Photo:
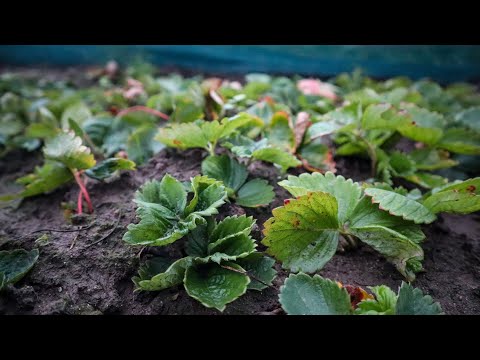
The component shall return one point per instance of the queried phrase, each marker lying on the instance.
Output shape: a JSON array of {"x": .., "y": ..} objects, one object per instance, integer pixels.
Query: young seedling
[
  {"x": 222, "y": 264},
  {"x": 302, "y": 294},
  {"x": 234, "y": 175},
  {"x": 67, "y": 159}
]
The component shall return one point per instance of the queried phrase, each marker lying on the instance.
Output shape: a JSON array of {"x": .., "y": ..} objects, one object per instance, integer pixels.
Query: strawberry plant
[
  {"x": 222, "y": 264},
  {"x": 234, "y": 175},
  {"x": 305, "y": 295},
  {"x": 165, "y": 216},
  {"x": 66, "y": 159},
  {"x": 304, "y": 233},
  {"x": 221, "y": 256}
]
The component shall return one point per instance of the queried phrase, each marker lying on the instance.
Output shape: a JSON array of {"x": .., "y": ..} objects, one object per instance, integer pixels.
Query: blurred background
[{"x": 443, "y": 63}]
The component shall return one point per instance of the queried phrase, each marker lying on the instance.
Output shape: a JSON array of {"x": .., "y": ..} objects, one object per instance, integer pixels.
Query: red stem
[
  {"x": 144, "y": 109},
  {"x": 79, "y": 202},
  {"x": 80, "y": 183}
]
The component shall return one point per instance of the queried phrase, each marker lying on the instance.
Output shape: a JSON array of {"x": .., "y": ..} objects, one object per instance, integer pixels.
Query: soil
[{"x": 72, "y": 277}]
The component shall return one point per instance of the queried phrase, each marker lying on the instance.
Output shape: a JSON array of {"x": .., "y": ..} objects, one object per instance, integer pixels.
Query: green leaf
[
  {"x": 277, "y": 156},
  {"x": 469, "y": 118},
  {"x": 41, "y": 130},
  {"x": 172, "y": 276},
  {"x": 183, "y": 136},
  {"x": 209, "y": 194},
  {"x": 226, "y": 169},
  {"x": 367, "y": 214},
  {"x": 400, "y": 205},
  {"x": 68, "y": 149},
  {"x": 140, "y": 144},
  {"x": 169, "y": 193},
  {"x": 186, "y": 110},
  {"x": 243, "y": 146},
  {"x": 346, "y": 192},
  {"x": 305, "y": 295},
  {"x": 198, "y": 238},
  {"x": 279, "y": 133},
  {"x": 215, "y": 286},
  {"x": 401, "y": 164},
  {"x": 303, "y": 234},
  {"x": 460, "y": 141},
  {"x": 412, "y": 302},
  {"x": 316, "y": 156},
  {"x": 427, "y": 180},
  {"x": 383, "y": 116},
  {"x": 259, "y": 267},
  {"x": 384, "y": 304},
  {"x": 230, "y": 239},
  {"x": 431, "y": 159},
  {"x": 78, "y": 112},
  {"x": 424, "y": 126},
  {"x": 45, "y": 179},
  {"x": 108, "y": 167},
  {"x": 15, "y": 264},
  {"x": 255, "y": 193},
  {"x": 459, "y": 198},
  {"x": 396, "y": 239},
  {"x": 75, "y": 127}
]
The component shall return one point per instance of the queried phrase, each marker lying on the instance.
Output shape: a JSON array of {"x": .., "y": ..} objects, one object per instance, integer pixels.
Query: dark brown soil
[{"x": 97, "y": 279}]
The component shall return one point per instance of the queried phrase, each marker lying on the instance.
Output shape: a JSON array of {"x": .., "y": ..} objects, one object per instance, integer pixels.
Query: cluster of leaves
[
  {"x": 376, "y": 117},
  {"x": 15, "y": 264},
  {"x": 221, "y": 262},
  {"x": 305, "y": 295},
  {"x": 304, "y": 233},
  {"x": 234, "y": 175}
]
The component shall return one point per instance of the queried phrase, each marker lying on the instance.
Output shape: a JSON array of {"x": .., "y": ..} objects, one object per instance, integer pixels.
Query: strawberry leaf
[
  {"x": 45, "y": 179},
  {"x": 109, "y": 167},
  {"x": 15, "y": 264},
  {"x": 396, "y": 239},
  {"x": 411, "y": 301},
  {"x": 460, "y": 141},
  {"x": 208, "y": 195},
  {"x": 303, "y": 234},
  {"x": 78, "y": 112},
  {"x": 68, "y": 149},
  {"x": 346, "y": 192},
  {"x": 400, "y": 205},
  {"x": 385, "y": 302},
  {"x": 458, "y": 198},
  {"x": 169, "y": 277},
  {"x": 280, "y": 134},
  {"x": 258, "y": 267},
  {"x": 226, "y": 169},
  {"x": 255, "y": 193},
  {"x": 305, "y": 295},
  {"x": 431, "y": 159},
  {"x": 277, "y": 156},
  {"x": 215, "y": 286},
  {"x": 424, "y": 126}
]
